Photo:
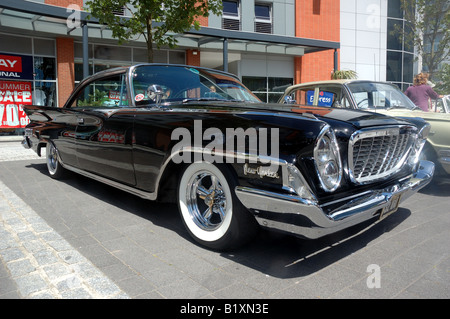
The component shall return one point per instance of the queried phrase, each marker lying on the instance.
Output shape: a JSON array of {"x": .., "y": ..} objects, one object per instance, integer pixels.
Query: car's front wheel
[{"x": 210, "y": 210}]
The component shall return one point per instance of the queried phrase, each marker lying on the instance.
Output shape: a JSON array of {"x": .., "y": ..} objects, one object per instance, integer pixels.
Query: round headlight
[{"x": 327, "y": 160}]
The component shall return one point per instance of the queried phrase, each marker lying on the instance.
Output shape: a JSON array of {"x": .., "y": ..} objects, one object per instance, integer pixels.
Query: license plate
[{"x": 392, "y": 207}]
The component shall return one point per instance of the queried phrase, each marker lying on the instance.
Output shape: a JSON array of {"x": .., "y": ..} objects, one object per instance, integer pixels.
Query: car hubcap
[
  {"x": 206, "y": 201},
  {"x": 52, "y": 158}
]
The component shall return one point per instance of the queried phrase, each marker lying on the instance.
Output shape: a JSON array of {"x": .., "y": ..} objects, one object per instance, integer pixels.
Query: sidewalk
[
  {"x": 78, "y": 238},
  {"x": 36, "y": 262},
  {"x": 11, "y": 149},
  {"x": 10, "y": 138}
]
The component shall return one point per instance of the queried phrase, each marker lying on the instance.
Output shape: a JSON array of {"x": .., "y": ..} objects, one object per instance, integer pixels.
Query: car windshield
[
  {"x": 369, "y": 95},
  {"x": 183, "y": 83}
]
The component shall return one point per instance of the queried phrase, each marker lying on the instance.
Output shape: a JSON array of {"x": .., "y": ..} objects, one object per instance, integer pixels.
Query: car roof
[
  {"x": 121, "y": 69},
  {"x": 339, "y": 81}
]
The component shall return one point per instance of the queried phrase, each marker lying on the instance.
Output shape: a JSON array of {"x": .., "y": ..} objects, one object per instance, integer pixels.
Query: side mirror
[
  {"x": 288, "y": 100},
  {"x": 155, "y": 93}
]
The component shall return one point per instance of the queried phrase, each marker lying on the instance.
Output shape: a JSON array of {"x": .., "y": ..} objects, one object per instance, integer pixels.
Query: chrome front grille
[{"x": 377, "y": 154}]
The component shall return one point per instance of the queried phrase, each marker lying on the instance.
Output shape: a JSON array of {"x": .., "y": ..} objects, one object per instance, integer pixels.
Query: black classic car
[{"x": 198, "y": 137}]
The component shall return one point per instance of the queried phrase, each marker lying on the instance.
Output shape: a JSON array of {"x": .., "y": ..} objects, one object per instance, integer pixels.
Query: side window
[
  {"x": 361, "y": 99},
  {"x": 345, "y": 103},
  {"x": 332, "y": 96},
  {"x": 103, "y": 93},
  {"x": 303, "y": 96}
]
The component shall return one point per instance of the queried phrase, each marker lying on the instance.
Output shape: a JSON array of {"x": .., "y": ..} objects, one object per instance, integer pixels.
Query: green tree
[
  {"x": 428, "y": 30},
  {"x": 443, "y": 86},
  {"x": 156, "y": 20}
]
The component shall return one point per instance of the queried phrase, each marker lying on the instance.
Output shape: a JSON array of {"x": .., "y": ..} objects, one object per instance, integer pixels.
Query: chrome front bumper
[{"x": 307, "y": 219}]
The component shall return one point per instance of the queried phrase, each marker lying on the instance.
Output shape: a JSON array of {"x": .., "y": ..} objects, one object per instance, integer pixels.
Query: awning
[{"x": 42, "y": 19}]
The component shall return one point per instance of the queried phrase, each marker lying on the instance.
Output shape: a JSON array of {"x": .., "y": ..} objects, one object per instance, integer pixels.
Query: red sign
[
  {"x": 12, "y": 96},
  {"x": 10, "y": 63}
]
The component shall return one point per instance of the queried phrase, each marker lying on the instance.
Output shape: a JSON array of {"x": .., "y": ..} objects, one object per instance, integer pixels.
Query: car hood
[
  {"x": 358, "y": 119},
  {"x": 429, "y": 116}
]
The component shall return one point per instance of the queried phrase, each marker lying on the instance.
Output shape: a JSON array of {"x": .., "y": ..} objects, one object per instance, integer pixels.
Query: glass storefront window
[
  {"x": 79, "y": 71},
  {"x": 101, "y": 67},
  {"x": 177, "y": 57},
  {"x": 102, "y": 57},
  {"x": 44, "y": 47},
  {"x": 267, "y": 89},
  {"x": 159, "y": 56},
  {"x": 44, "y": 68},
  {"x": 394, "y": 66},
  {"x": 104, "y": 52},
  {"x": 395, "y": 9},
  {"x": 408, "y": 65},
  {"x": 35, "y": 82},
  {"x": 400, "y": 49},
  {"x": 44, "y": 93},
  {"x": 255, "y": 84},
  {"x": 140, "y": 55},
  {"x": 18, "y": 45},
  {"x": 409, "y": 38},
  {"x": 78, "y": 50},
  {"x": 393, "y": 38}
]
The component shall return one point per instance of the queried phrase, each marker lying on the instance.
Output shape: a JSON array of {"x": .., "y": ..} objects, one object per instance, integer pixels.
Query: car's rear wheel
[
  {"x": 53, "y": 165},
  {"x": 210, "y": 210}
]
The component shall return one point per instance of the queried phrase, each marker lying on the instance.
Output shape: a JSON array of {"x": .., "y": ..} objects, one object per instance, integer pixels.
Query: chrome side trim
[
  {"x": 154, "y": 195},
  {"x": 107, "y": 181},
  {"x": 444, "y": 156},
  {"x": 240, "y": 158}
]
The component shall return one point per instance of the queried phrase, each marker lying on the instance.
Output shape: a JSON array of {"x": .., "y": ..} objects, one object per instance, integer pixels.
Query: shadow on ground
[{"x": 274, "y": 254}]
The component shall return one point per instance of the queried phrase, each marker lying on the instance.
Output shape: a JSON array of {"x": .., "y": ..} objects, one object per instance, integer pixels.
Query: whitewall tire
[
  {"x": 53, "y": 165},
  {"x": 210, "y": 210}
]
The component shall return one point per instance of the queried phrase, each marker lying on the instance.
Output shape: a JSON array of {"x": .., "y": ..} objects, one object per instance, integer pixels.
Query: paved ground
[{"x": 81, "y": 239}]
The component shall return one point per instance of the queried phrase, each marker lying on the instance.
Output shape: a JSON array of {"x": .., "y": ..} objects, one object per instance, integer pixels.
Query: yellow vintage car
[{"x": 380, "y": 97}]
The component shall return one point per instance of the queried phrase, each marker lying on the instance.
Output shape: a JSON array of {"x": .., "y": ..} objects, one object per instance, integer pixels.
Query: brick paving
[{"x": 78, "y": 238}]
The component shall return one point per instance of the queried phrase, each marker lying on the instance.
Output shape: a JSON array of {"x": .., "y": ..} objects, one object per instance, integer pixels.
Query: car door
[{"x": 105, "y": 128}]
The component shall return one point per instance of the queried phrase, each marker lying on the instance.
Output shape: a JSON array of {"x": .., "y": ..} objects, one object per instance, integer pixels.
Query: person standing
[{"x": 420, "y": 93}]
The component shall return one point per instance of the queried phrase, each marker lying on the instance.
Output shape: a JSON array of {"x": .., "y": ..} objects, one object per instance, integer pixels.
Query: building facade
[
  {"x": 269, "y": 44},
  {"x": 370, "y": 47}
]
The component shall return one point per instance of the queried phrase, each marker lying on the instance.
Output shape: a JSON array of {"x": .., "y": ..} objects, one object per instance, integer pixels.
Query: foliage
[
  {"x": 443, "y": 86},
  {"x": 156, "y": 20},
  {"x": 344, "y": 74},
  {"x": 98, "y": 98},
  {"x": 427, "y": 30}
]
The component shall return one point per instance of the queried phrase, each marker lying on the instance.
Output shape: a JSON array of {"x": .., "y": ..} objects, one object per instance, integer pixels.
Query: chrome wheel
[
  {"x": 206, "y": 201},
  {"x": 53, "y": 165},
  {"x": 52, "y": 159},
  {"x": 210, "y": 210}
]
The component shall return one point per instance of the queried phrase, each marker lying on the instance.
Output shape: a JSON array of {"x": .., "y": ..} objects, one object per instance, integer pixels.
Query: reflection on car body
[
  {"x": 307, "y": 171},
  {"x": 385, "y": 98}
]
